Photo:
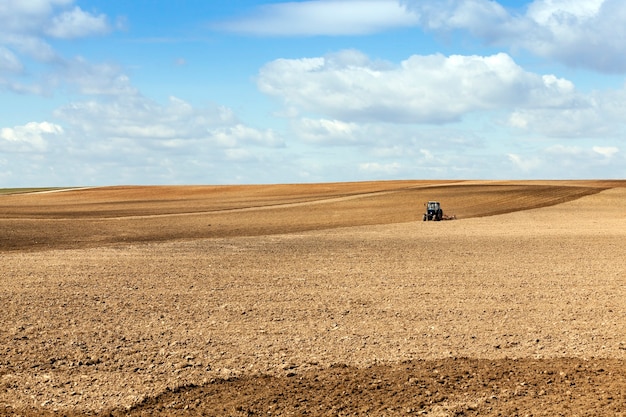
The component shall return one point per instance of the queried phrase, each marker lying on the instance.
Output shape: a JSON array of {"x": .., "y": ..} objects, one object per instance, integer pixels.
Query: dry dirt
[{"x": 318, "y": 299}]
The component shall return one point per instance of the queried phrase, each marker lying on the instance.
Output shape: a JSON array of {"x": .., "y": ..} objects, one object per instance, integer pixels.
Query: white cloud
[
  {"x": 137, "y": 117},
  {"x": 322, "y": 17},
  {"x": 31, "y": 137},
  {"x": 582, "y": 158},
  {"x": 525, "y": 164},
  {"x": 132, "y": 139},
  {"x": 25, "y": 33},
  {"x": 606, "y": 151},
  {"x": 347, "y": 93},
  {"x": 570, "y": 161},
  {"x": 583, "y": 33},
  {"x": 574, "y": 115},
  {"x": 239, "y": 155},
  {"x": 236, "y": 135},
  {"x": 49, "y": 18},
  {"x": 568, "y": 151},
  {"x": 26, "y": 24},
  {"x": 9, "y": 62},
  {"x": 479, "y": 16},
  {"x": 588, "y": 34},
  {"x": 77, "y": 23},
  {"x": 428, "y": 155},
  {"x": 332, "y": 132},
  {"x": 30, "y": 46},
  {"x": 581, "y": 122},
  {"x": 27, "y": 16},
  {"x": 377, "y": 168},
  {"x": 348, "y": 86},
  {"x": 94, "y": 79},
  {"x": 177, "y": 125},
  {"x": 553, "y": 12}
]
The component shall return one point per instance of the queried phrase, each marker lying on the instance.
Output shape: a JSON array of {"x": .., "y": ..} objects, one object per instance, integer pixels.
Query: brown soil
[{"x": 320, "y": 299}]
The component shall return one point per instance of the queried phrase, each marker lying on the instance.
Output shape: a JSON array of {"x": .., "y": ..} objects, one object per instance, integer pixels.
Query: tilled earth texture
[{"x": 317, "y": 299}]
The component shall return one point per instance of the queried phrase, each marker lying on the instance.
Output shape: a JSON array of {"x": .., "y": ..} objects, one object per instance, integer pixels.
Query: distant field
[
  {"x": 315, "y": 299},
  {"x": 97, "y": 216}
]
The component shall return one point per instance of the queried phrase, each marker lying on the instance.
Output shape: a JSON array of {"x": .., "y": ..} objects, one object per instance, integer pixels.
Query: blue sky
[{"x": 106, "y": 92}]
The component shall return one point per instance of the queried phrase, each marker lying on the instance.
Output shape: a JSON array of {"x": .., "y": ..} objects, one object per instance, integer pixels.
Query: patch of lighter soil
[
  {"x": 93, "y": 329},
  {"x": 599, "y": 214}
]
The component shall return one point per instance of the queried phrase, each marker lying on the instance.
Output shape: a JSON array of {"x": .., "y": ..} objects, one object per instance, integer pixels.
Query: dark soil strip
[{"x": 454, "y": 387}]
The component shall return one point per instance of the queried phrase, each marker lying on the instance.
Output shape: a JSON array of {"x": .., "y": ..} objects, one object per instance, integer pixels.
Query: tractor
[{"x": 433, "y": 211}]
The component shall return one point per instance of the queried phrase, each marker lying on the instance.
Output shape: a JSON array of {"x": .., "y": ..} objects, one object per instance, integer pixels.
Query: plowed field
[{"x": 317, "y": 299}]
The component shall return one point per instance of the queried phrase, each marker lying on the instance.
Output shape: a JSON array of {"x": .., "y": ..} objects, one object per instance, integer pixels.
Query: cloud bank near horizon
[{"x": 345, "y": 115}]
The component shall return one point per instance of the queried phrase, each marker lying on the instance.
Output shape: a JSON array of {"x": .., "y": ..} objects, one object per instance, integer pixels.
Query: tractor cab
[{"x": 433, "y": 211}]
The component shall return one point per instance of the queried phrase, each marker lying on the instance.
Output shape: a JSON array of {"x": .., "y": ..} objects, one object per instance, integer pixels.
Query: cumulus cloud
[
  {"x": 588, "y": 34},
  {"x": 322, "y": 17},
  {"x": 376, "y": 168},
  {"x": 434, "y": 89},
  {"x": 87, "y": 78},
  {"x": 339, "y": 97},
  {"x": 576, "y": 155},
  {"x": 25, "y": 33},
  {"x": 574, "y": 115},
  {"x": 526, "y": 165},
  {"x": 27, "y": 16},
  {"x": 76, "y": 75},
  {"x": 49, "y": 18},
  {"x": 569, "y": 161},
  {"x": 77, "y": 23},
  {"x": 239, "y": 134},
  {"x": 478, "y": 16},
  {"x": 9, "y": 61},
  {"x": 175, "y": 125},
  {"x": 331, "y": 132},
  {"x": 606, "y": 151},
  {"x": 31, "y": 137},
  {"x": 129, "y": 138},
  {"x": 585, "y": 121}
]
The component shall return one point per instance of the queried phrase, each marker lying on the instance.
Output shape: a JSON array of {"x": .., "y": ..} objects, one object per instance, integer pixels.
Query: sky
[{"x": 113, "y": 92}]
